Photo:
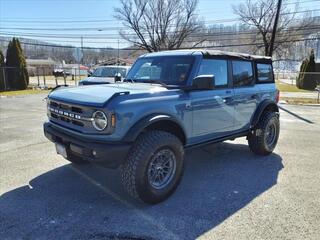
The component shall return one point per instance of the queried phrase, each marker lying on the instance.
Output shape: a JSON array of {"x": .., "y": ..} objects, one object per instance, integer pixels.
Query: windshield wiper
[
  {"x": 152, "y": 81},
  {"x": 162, "y": 84},
  {"x": 156, "y": 82},
  {"x": 129, "y": 80}
]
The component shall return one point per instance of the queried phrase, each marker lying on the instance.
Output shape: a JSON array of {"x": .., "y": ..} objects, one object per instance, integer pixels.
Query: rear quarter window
[
  {"x": 264, "y": 73},
  {"x": 242, "y": 73}
]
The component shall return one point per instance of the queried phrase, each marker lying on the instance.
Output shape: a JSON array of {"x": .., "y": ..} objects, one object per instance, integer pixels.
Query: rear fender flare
[{"x": 263, "y": 106}]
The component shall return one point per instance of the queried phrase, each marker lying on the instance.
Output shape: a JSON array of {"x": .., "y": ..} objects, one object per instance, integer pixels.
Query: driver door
[{"x": 213, "y": 110}]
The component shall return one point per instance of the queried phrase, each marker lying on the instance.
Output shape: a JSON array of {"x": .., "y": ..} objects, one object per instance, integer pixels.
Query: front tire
[
  {"x": 264, "y": 137},
  {"x": 154, "y": 166}
]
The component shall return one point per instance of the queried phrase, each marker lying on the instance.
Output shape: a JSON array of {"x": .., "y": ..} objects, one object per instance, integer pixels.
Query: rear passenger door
[{"x": 246, "y": 97}]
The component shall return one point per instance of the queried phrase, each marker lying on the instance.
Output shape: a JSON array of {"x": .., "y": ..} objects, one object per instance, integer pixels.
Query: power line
[
  {"x": 117, "y": 21},
  {"x": 104, "y": 29},
  {"x": 261, "y": 44},
  {"x": 129, "y": 49},
  {"x": 116, "y": 36},
  {"x": 237, "y": 37}
]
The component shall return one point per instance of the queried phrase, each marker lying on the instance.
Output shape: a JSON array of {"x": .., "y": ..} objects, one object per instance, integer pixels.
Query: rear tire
[
  {"x": 264, "y": 137},
  {"x": 154, "y": 166}
]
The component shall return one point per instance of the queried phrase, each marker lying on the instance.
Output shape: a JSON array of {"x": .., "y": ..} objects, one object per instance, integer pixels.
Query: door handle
[{"x": 227, "y": 99}]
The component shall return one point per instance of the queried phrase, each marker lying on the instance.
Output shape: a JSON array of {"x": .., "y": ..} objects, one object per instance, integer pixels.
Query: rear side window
[
  {"x": 218, "y": 68},
  {"x": 242, "y": 73},
  {"x": 264, "y": 72}
]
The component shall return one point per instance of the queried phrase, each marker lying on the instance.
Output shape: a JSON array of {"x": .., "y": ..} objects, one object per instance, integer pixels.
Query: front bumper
[{"x": 107, "y": 154}]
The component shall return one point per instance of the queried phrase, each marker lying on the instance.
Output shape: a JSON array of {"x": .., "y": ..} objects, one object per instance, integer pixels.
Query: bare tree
[
  {"x": 155, "y": 25},
  {"x": 260, "y": 15}
]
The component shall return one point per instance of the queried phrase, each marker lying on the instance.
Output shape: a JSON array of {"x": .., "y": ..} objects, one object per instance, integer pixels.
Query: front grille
[
  {"x": 68, "y": 114},
  {"x": 76, "y": 109},
  {"x": 78, "y": 123},
  {"x": 65, "y": 107}
]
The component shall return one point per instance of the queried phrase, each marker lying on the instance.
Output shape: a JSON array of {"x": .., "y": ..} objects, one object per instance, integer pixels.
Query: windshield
[
  {"x": 109, "y": 72},
  {"x": 167, "y": 70}
]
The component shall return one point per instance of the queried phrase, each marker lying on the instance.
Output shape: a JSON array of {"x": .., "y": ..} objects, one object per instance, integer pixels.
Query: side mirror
[
  {"x": 117, "y": 77},
  {"x": 89, "y": 74},
  {"x": 203, "y": 82}
]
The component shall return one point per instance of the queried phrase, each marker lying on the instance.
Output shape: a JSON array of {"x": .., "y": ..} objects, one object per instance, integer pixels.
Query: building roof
[
  {"x": 114, "y": 66},
  {"x": 44, "y": 62},
  {"x": 208, "y": 52},
  {"x": 115, "y": 61}
]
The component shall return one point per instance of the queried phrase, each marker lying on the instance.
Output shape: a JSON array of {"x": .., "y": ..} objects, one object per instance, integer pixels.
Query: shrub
[
  {"x": 17, "y": 74},
  {"x": 2, "y": 69},
  {"x": 305, "y": 80}
]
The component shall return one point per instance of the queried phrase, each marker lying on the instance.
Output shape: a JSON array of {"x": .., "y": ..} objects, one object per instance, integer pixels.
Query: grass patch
[
  {"x": 23, "y": 92},
  {"x": 283, "y": 87},
  {"x": 300, "y": 100}
]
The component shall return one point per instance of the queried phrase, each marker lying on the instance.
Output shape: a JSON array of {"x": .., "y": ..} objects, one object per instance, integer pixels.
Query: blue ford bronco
[{"x": 168, "y": 102}]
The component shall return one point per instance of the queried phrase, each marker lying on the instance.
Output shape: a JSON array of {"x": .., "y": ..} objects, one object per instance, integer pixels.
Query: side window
[
  {"x": 218, "y": 68},
  {"x": 265, "y": 73},
  {"x": 242, "y": 73},
  {"x": 179, "y": 72}
]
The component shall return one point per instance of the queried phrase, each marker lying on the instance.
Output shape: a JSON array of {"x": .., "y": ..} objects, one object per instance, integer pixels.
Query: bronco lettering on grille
[{"x": 64, "y": 113}]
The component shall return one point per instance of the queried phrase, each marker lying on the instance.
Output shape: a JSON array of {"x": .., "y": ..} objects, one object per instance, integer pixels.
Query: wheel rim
[
  {"x": 162, "y": 168},
  {"x": 271, "y": 134}
]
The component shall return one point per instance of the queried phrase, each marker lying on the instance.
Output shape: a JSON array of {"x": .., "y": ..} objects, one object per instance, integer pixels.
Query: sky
[{"x": 98, "y": 15}]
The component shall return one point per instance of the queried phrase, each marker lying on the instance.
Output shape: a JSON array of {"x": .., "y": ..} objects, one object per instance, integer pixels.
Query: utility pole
[
  {"x": 275, "y": 28},
  {"x": 82, "y": 50},
  {"x": 318, "y": 49},
  {"x": 118, "y": 54}
]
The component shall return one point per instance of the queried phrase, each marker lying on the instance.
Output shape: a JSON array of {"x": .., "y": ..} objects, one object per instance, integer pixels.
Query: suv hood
[{"x": 98, "y": 95}]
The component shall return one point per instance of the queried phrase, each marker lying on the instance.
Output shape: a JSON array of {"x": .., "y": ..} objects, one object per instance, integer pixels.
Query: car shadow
[
  {"x": 88, "y": 202},
  {"x": 295, "y": 115}
]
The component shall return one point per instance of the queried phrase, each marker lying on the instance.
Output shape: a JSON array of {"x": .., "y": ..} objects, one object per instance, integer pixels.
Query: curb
[{"x": 283, "y": 102}]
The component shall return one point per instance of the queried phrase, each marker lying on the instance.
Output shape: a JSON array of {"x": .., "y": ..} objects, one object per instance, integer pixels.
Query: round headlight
[{"x": 100, "y": 120}]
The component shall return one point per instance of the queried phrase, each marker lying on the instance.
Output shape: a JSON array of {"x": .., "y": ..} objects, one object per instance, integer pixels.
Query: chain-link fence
[
  {"x": 43, "y": 77},
  {"x": 290, "y": 77}
]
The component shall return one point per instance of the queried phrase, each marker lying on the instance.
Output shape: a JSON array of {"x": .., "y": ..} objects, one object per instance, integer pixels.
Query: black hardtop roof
[{"x": 209, "y": 53}]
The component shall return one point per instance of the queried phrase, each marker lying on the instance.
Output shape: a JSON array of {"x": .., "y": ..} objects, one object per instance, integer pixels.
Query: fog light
[{"x": 94, "y": 153}]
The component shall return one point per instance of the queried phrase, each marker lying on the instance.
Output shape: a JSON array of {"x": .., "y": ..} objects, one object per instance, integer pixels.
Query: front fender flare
[{"x": 143, "y": 123}]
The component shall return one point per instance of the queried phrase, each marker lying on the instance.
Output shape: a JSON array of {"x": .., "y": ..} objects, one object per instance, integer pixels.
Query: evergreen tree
[
  {"x": 2, "y": 69},
  {"x": 305, "y": 80},
  {"x": 18, "y": 77}
]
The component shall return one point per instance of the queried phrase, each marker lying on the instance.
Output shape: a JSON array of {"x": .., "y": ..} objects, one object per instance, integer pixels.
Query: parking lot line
[
  {"x": 25, "y": 146},
  {"x": 148, "y": 218}
]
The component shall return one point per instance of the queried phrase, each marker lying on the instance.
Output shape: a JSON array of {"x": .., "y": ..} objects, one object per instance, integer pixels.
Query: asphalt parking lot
[{"x": 226, "y": 192}]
